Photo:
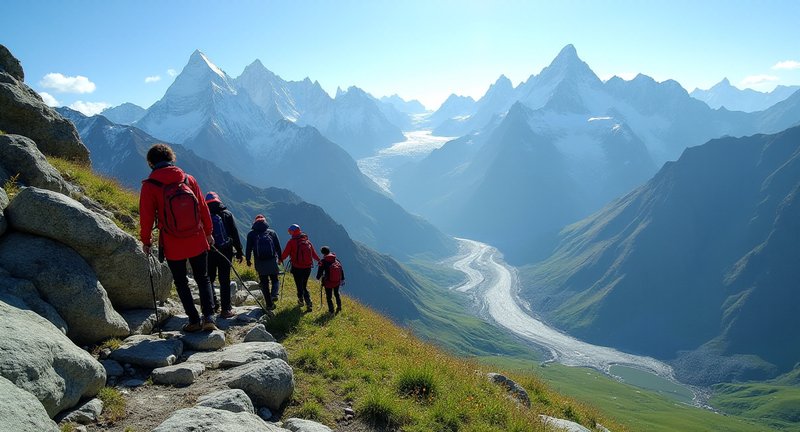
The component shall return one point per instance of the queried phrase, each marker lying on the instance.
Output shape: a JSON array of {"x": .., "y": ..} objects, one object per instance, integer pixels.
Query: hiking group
[{"x": 203, "y": 232}]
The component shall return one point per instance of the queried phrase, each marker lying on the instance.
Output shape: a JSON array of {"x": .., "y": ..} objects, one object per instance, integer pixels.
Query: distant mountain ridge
[
  {"x": 698, "y": 265},
  {"x": 125, "y": 114},
  {"x": 246, "y": 133},
  {"x": 723, "y": 94},
  {"x": 119, "y": 151}
]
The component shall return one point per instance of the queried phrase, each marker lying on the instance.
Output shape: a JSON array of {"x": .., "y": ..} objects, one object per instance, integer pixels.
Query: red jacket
[
  {"x": 300, "y": 261},
  {"x": 151, "y": 208}
]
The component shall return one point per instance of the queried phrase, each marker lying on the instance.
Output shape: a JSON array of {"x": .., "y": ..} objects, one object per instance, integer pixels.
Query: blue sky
[{"x": 102, "y": 52}]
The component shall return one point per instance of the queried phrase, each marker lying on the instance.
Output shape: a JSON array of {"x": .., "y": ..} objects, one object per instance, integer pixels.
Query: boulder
[
  {"x": 21, "y": 412},
  {"x": 24, "y": 113},
  {"x": 148, "y": 351},
  {"x": 26, "y": 291},
  {"x": 269, "y": 383},
  {"x": 239, "y": 354},
  {"x": 206, "y": 419},
  {"x": 180, "y": 374},
  {"x": 233, "y": 400},
  {"x": 37, "y": 357},
  {"x": 562, "y": 425},
  {"x": 10, "y": 65},
  {"x": 3, "y": 205},
  {"x": 115, "y": 256},
  {"x": 66, "y": 281},
  {"x": 514, "y": 390},
  {"x": 113, "y": 368},
  {"x": 259, "y": 333},
  {"x": 141, "y": 321},
  {"x": 85, "y": 413},
  {"x": 301, "y": 425},
  {"x": 203, "y": 341},
  {"x": 19, "y": 155}
]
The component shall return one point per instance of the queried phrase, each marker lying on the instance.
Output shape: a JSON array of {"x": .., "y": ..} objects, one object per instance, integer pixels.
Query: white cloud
[
  {"x": 65, "y": 84},
  {"x": 49, "y": 99},
  {"x": 754, "y": 80},
  {"x": 172, "y": 72},
  {"x": 89, "y": 108},
  {"x": 788, "y": 64},
  {"x": 152, "y": 79}
]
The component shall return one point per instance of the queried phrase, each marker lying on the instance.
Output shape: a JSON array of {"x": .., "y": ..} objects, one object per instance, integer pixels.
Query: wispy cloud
[
  {"x": 152, "y": 79},
  {"x": 172, "y": 72},
  {"x": 89, "y": 108},
  {"x": 788, "y": 64},
  {"x": 754, "y": 80},
  {"x": 67, "y": 84},
  {"x": 49, "y": 99}
]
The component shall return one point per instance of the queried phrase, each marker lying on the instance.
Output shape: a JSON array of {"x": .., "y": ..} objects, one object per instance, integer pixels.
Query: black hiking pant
[
  {"x": 217, "y": 262},
  {"x": 330, "y": 292},
  {"x": 301, "y": 280},
  {"x": 263, "y": 283},
  {"x": 179, "y": 272}
]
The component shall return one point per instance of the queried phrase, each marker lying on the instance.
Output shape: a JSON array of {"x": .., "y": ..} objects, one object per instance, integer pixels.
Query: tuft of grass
[
  {"x": 311, "y": 410},
  {"x": 122, "y": 202},
  {"x": 110, "y": 343},
  {"x": 379, "y": 408},
  {"x": 68, "y": 427},
  {"x": 113, "y": 404},
  {"x": 11, "y": 186},
  {"x": 419, "y": 383}
]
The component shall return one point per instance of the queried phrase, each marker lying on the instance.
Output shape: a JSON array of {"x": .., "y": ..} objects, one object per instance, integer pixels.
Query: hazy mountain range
[
  {"x": 700, "y": 264},
  {"x": 723, "y": 94}
]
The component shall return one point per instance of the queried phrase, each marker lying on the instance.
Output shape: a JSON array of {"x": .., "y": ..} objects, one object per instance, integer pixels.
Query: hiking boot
[
  {"x": 192, "y": 327},
  {"x": 338, "y": 309},
  {"x": 274, "y": 299},
  {"x": 309, "y": 309},
  {"x": 227, "y": 314},
  {"x": 209, "y": 324},
  {"x": 300, "y": 302},
  {"x": 271, "y": 306}
]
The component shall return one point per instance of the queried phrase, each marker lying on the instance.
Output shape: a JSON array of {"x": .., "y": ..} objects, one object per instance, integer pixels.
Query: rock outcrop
[
  {"x": 66, "y": 281},
  {"x": 206, "y": 419},
  {"x": 19, "y": 156},
  {"x": 25, "y": 290},
  {"x": 180, "y": 374},
  {"x": 148, "y": 351},
  {"x": 515, "y": 391},
  {"x": 20, "y": 411},
  {"x": 37, "y": 357},
  {"x": 116, "y": 257},
  {"x": 241, "y": 354},
  {"x": 24, "y": 113},
  {"x": 269, "y": 383},
  {"x": 233, "y": 400}
]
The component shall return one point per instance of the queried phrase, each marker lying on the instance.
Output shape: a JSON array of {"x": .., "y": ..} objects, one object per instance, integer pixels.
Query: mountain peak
[
  {"x": 199, "y": 61},
  {"x": 568, "y": 54},
  {"x": 724, "y": 84}
]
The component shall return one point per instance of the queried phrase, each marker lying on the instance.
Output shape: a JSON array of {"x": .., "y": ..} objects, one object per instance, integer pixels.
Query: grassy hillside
[{"x": 776, "y": 402}]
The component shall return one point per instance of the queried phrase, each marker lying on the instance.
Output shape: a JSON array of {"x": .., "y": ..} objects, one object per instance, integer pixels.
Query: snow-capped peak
[{"x": 198, "y": 57}]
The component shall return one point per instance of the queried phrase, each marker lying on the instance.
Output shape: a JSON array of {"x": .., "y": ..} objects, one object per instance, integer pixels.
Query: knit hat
[
  {"x": 260, "y": 218},
  {"x": 212, "y": 197},
  {"x": 294, "y": 228}
]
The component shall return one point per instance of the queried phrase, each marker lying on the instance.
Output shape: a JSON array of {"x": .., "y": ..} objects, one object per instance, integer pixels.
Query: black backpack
[
  {"x": 221, "y": 237},
  {"x": 264, "y": 247}
]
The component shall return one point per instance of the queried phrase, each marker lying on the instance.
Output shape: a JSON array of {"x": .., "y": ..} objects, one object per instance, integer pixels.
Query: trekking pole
[
  {"x": 153, "y": 289},
  {"x": 240, "y": 278}
]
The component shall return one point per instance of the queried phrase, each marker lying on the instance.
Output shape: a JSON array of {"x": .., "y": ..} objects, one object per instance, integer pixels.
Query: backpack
[
  {"x": 335, "y": 274},
  {"x": 181, "y": 208},
  {"x": 303, "y": 253},
  {"x": 221, "y": 238},
  {"x": 264, "y": 247}
]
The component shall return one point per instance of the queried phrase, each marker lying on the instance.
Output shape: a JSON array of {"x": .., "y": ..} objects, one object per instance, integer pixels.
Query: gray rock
[
  {"x": 259, "y": 333},
  {"x": 115, "y": 256},
  {"x": 233, "y": 400},
  {"x": 21, "y": 412},
  {"x": 141, "y": 321},
  {"x": 19, "y": 155},
  {"x": 148, "y": 351},
  {"x": 269, "y": 383},
  {"x": 240, "y": 354},
  {"x": 133, "y": 383},
  {"x": 204, "y": 341},
  {"x": 112, "y": 367},
  {"x": 37, "y": 357},
  {"x": 265, "y": 413},
  {"x": 10, "y": 65},
  {"x": 26, "y": 291},
  {"x": 514, "y": 390},
  {"x": 301, "y": 425},
  {"x": 3, "y": 205},
  {"x": 24, "y": 113},
  {"x": 206, "y": 419},
  {"x": 85, "y": 413},
  {"x": 66, "y": 281},
  {"x": 180, "y": 374},
  {"x": 562, "y": 425}
]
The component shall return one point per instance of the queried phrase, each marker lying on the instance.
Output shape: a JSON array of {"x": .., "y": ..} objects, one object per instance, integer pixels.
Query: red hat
[{"x": 212, "y": 197}]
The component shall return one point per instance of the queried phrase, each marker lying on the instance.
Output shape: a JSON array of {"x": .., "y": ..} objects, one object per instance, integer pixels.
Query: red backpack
[
  {"x": 181, "y": 217},
  {"x": 335, "y": 275},
  {"x": 302, "y": 253}
]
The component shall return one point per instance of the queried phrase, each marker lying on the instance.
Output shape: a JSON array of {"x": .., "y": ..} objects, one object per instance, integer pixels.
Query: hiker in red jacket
[
  {"x": 301, "y": 253},
  {"x": 173, "y": 199},
  {"x": 331, "y": 275}
]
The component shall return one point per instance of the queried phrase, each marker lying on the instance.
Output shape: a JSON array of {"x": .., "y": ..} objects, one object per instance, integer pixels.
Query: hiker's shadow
[
  {"x": 323, "y": 319},
  {"x": 284, "y": 322}
]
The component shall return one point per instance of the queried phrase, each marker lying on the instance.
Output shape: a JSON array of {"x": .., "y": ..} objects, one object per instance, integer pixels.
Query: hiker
[
  {"x": 300, "y": 252},
  {"x": 174, "y": 200},
  {"x": 226, "y": 239},
  {"x": 264, "y": 244},
  {"x": 331, "y": 274}
]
